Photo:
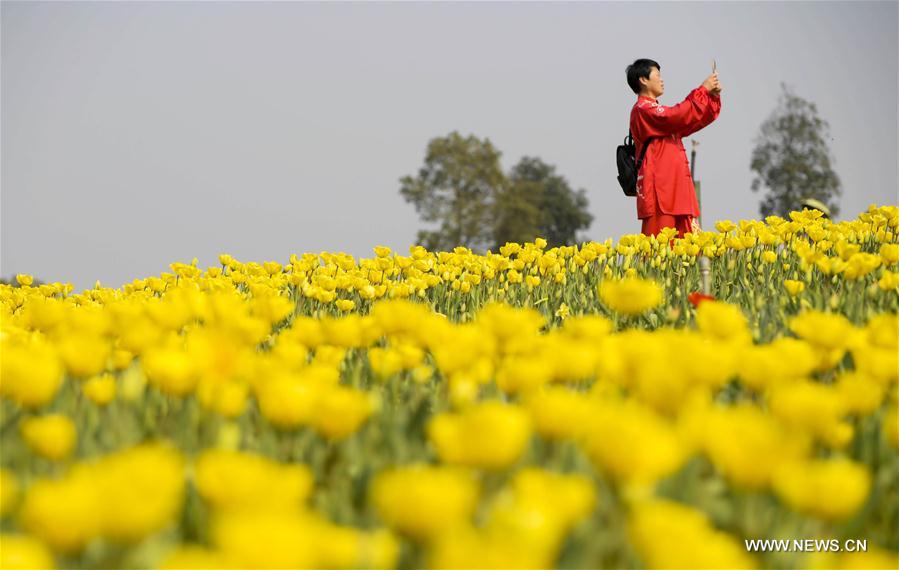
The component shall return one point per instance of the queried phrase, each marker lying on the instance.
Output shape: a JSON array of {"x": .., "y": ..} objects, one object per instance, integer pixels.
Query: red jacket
[{"x": 664, "y": 183}]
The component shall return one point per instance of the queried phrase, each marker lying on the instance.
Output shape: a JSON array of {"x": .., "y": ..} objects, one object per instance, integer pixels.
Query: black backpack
[{"x": 627, "y": 170}]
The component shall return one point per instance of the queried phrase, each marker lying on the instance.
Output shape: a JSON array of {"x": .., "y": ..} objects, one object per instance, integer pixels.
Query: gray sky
[{"x": 138, "y": 134}]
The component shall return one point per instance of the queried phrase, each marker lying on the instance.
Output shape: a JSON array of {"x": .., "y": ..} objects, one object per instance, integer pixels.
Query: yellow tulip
[
  {"x": 794, "y": 287},
  {"x": 630, "y": 296},
  {"x": 490, "y": 435},
  {"x": 421, "y": 501},
  {"x": 9, "y": 491},
  {"x": 100, "y": 390},
  {"x": 802, "y": 484},
  {"x": 52, "y": 436},
  {"x": 19, "y": 551}
]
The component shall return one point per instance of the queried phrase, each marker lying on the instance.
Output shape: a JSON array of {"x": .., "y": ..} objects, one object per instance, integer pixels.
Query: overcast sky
[{"x": 138, "y": 134}]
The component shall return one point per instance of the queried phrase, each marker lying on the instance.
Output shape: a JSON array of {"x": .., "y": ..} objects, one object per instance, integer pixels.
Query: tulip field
[{"x": 584, "y": 406}]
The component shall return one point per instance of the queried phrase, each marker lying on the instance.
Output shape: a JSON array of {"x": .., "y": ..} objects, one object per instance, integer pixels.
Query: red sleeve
[
  {"x": 693, "y": 113},
  {"x": 712, "y": 110}
]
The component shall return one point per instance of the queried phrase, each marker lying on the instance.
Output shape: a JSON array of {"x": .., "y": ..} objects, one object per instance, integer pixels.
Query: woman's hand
[{"x": 712, "y": 84}]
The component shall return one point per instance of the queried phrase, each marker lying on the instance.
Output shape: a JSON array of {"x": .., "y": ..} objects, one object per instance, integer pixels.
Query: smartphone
[{"x": 714, "y": 66}]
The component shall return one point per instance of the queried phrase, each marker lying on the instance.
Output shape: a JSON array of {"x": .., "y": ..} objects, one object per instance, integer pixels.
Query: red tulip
[{"x": 696, "y": 298}]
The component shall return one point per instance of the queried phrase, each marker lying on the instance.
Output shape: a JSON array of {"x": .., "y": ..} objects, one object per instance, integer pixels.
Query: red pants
[{"x": 654, "y": 224}]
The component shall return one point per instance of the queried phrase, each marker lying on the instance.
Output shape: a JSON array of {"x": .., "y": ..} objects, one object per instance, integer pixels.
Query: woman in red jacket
[{"x": 666, "y": 197}]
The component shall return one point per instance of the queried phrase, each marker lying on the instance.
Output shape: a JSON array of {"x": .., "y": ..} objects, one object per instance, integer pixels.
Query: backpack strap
[{"x": 643, "y": 151}]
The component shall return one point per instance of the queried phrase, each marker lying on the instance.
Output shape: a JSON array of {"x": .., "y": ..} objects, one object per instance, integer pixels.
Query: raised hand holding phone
[
  {"x": 715, "y": 87},
  {"x": 711, "y": 82}
]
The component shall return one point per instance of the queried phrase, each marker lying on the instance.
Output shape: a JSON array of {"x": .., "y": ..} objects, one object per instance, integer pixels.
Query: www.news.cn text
[{"x": 807, "y": 545}]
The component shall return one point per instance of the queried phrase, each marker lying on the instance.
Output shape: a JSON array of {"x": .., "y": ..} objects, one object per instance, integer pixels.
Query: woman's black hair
[{"x": 638, "y": 69}]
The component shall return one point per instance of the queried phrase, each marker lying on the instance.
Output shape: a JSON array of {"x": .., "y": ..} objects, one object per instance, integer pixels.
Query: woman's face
[{"x": 654, "y": 85}]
